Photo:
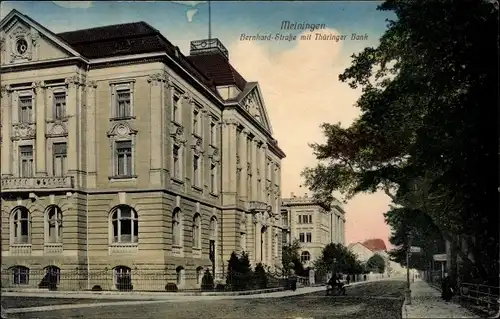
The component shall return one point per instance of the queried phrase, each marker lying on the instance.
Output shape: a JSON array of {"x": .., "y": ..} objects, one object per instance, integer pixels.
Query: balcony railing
[
  {"x": 53, "y": 249},
  {"x": 257, "y": 206},
  {"x": 36, "y": 183},
  {"x": 20, "y": 250}
]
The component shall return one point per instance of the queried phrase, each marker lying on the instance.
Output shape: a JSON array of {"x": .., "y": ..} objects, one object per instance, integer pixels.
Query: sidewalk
[
  {"x": 426, "y": 302},
  {"x": 171, "y": 296}
]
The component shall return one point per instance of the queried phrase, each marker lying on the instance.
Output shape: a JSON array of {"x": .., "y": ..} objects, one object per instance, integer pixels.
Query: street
[{"x": 381, "y": 299}]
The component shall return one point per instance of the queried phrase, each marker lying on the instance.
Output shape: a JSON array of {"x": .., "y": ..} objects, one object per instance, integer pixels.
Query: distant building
[
  {"x": 364, "y": 251},
  {"x": 314, "y": 227}
]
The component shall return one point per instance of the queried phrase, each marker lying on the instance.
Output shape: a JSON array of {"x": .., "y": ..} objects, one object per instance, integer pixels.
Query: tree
[
  {"x": 291, "y": 255},
  {"x": 427, "y": 93},
  {"x": 338, "y": 258},
  {"x": 376, "y": 263},
  {"x": 239, "y": 271},
  {"x": 260, "y": 276}
]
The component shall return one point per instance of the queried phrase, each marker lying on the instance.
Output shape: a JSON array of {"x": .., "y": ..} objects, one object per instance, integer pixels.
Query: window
[
  {"x": 199, "y": 275},
  {"x": 305, "y": 256},
  {"x": 176, "y": 109},
  {"x": 300, "y": 219},
  {"x": 308, "y": 237},
  {"x": 213, "y": 134},
  {"x": 284, "y": 237},
  {"x": 54, "y": 224},
  {"x": 213, "y": 228},
  {"x": 60, "y": 154},
  {"x": 25, "y": 109},
  {"x": 196, "y": 170},
  {"x": 125, "y": 225},
  {"x": 285, "y": 219},
  {"x": 238, "y": 141},
  {"x": 123, "y": 278},
  {"x": 243, "y": 241},
  {"x": 177, "y": 227},
  {"x": 26, "y": 155},
  {"x": 196, "y": 123},
  {"x": 197, "y": 231},
  {"x": 276, "y": 246},
  {"x": 249, "y": 150},
  {"x": 179, "y": 276},
  {"x": 21, "y": 226},
  {"x": 176, "y": 161},
  {"x": 20, "y": 275},
  {"x": 249, "y": 186},
  {"x": 302, "y": 238},
  {"x": 53, "y": 274},
  {"x": 268, "y": 172},
  {"x": 213, "y": 178},
  {"x": 123, "y": 104},
  {"x": 59, "y": 105},
  {"x": 123, "y": 158}
]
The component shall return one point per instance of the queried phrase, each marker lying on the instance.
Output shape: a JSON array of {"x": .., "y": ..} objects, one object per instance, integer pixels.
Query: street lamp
[{"x": 408, "y": 252}]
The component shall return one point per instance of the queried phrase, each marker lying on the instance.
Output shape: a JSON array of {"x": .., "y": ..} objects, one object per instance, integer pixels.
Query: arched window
[
  {"x": 179, "y": 276},
  {"x": 197, "y": 231},
  {"x": 213, "y": 228},
  {"x": 263, "y": 252},
  {"x": 123, "y": 277},
  {"x": 276, "y": 245},
  {"x": 53, "y": 223},
  {"x": 305, "y": 256},
  {"x": 199, "y": 275},
  {"x": 20, "y": 275},
  {"x": 21, "y": 231},
  {"x": 53, "y": 274},
  {"x": 125, "y": 225},
  {"x": 177, "y": 227}
]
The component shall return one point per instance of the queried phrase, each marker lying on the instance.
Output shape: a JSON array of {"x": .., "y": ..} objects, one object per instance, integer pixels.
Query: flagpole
[{"x": 209, "y": 21}]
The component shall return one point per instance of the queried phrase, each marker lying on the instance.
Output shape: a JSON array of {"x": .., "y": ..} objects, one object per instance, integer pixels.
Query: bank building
[{"x": 119, "y": 154}]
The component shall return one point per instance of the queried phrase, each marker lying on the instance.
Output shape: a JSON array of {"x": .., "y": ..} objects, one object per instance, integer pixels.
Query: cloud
[
  {"x": 301, "y": 90},
  {"x": 190, "y": 14},
  {"x": 5, "y": 8},
  {"x": 74, "y": 4}
]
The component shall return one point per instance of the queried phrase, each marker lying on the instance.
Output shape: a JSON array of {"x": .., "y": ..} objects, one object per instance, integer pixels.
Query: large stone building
[
  {"x": 119, "y": 152},
  {"x": 312, "y": 225}
]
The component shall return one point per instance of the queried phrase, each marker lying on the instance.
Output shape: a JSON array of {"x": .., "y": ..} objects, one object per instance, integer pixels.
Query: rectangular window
[
  {"x": 285, "y": 219},
  {"x": 60, "y": 154},
  {"x": 213, "y": 178},
  {"x": 301, "y": 237},
  {"x": 124, "y": 158},
  {"x": 300, "y": 219},
  {"x": 309, "y": 219},
  {"x": 249, "y": 186},
  {"x": 176, "y": 160},
  {"x": 308, "y": 237},
  {"x": 284, "y": 237},
  {"x": 196, "y": 170},
  {"x": 269, "y": 172},
  {"x": 196, "y": 123},
  {"x": 26, "y": 155},
  {"x": 59, "y": 105},
  {"x": 25, "y": 109},
  {"x": 213, "y": 134},
  {"x": 123, "y": 104},
  {"x": 176, "y": 109}
]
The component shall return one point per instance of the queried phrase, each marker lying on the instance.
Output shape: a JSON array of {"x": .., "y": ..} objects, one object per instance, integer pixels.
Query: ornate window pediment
[
  {"x": 121, "y": 129},
  {"x": 56, "y": 130}
]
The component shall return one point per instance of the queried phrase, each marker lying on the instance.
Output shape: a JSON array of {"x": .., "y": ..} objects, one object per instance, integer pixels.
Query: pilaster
[
  {"x": 40, "y": 109},
  {"x": 243, "y": 164},
  {"x": 73, "y": 118},
  {"x": 156, "y": 149},
  {"x": 263, "y": 177},
  {"x": 255, "y": 166},
  {"x": 91, "y": 136},
  {"x": 6, "y": 165}
]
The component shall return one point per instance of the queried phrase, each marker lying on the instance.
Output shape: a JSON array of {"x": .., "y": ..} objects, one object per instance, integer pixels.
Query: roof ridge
[{"x": 107, "y": 26}]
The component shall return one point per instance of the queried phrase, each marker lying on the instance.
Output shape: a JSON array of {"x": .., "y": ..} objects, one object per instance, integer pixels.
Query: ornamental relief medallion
[
  {"x": 56, "y": 129},
  {"x": 121, "y": 130},
  {"x": 23, "y": 131}
]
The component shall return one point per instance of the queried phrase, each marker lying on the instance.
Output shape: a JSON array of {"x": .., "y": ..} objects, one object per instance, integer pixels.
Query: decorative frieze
[
  {"x": 23, "y": 131},
  {"x": 46, "y": 182}
]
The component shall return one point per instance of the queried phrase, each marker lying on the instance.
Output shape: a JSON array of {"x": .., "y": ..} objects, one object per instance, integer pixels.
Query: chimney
[
  {"x": 292, "y": 195},
  {"x": 305, "y": 195}
]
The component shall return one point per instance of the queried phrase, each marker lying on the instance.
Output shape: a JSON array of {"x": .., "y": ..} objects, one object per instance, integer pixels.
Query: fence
[
  {"x": 481, "y": 299},
  {"x": 136, "y": 280}
]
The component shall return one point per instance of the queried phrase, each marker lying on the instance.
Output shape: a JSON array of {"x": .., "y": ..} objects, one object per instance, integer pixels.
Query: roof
[
  {"x": 217, "y": 67},
  {"x": 375, "y": 244}
]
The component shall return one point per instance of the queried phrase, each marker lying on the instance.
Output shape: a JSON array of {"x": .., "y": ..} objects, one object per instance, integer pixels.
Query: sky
[{"x": 298, "y": 78}]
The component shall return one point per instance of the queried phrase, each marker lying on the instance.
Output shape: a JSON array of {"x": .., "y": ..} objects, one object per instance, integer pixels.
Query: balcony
[
  {"x": 19, "y": 184},
  {"x": 53, "y": 249},
  {"x": 257, "y": 206},
  {"x": 20, "y": 250}
]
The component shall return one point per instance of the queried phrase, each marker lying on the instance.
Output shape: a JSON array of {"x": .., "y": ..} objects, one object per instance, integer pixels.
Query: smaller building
[
  {"x": 312, "y": 225},
  {"x": 364, "y": 251}
]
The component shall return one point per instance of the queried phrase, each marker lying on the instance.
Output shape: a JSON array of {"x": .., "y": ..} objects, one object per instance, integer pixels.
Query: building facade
[
  {"x": 119, "y": 152},
  {"x": 364, "y": 251},
  {"x": 313, "y": 226}
]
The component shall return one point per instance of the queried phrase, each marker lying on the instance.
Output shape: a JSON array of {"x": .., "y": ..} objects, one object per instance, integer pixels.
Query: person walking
[{"x": 446, "y": 288}]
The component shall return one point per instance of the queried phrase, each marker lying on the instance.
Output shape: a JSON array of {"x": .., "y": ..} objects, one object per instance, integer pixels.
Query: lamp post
[{"x": 408, "y": 252}]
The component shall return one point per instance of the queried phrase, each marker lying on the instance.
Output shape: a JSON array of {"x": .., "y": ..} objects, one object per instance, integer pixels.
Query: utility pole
[{"x": 209, "y": 21}]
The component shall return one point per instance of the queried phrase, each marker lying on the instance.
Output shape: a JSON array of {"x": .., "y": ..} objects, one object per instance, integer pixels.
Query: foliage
[
  {"x": 291, "y": 254},
  {"x": 207, "y": 281},
  {"x": 376, "y": 263},
  {"x": 260, "y": 276},
  {"x": 427, "y": 93},
  {"x": 338, "y": 258},
  {"x": 171, "y": 287},
  {"x": 239, "y": 271}
]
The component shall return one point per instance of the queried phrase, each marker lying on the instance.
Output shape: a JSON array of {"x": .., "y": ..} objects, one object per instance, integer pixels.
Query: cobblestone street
[{"x": 371, "y": 300}]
